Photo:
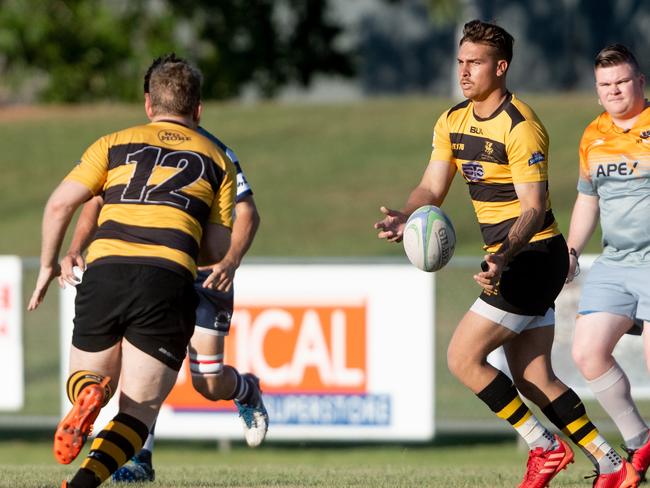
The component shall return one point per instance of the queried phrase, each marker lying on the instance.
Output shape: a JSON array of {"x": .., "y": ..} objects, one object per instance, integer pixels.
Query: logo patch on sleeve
[{"x": 535, "y": 158}]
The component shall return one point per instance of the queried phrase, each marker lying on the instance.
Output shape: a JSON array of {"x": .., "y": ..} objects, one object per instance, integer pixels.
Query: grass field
[
  {"x": 319, "y": 173},
  {"x": 450, "y": 463}
]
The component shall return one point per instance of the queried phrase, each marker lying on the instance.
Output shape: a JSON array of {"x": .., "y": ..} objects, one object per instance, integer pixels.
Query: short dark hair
[
  {"x": 614, "y": 55},
  {"x": 173, "y": 85},
  {"x": 480, "y": 32}
]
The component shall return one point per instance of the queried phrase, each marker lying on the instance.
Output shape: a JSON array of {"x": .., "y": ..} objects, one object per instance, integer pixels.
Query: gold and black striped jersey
[
  {"x": 494, "y": 154},
  {"x": 161, "y": 184}
]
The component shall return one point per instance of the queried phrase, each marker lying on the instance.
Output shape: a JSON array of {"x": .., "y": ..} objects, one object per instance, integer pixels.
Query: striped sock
[
  {"x": 113, "y": 446},
  {"x": 504, "y": 400},
  {"x": 78, "y": 380},
  {"x": 568, "y": 414},
  {"x": 241, "y": 391}
]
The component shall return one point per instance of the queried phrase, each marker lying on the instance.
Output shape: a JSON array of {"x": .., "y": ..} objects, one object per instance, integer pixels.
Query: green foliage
[{"x": 82, "y": 50}]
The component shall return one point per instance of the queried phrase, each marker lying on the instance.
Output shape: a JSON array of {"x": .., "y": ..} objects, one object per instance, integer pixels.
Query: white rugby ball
[{"x": 429, "y": 238}]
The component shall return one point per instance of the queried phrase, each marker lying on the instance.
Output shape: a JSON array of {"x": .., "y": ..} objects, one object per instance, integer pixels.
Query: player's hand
[
  {"x": 221, "y": 275},
  {"x": 574, "y": 268},
  {"x": 68, "y": 264},
  {"x": 391, "y": 227},
  {"x": 45, "y": 276},
  {"x": 490, "y": 274}
]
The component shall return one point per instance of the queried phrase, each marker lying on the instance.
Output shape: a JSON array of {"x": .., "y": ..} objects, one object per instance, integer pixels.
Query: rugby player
[
  {"x": 614, "y": 188},
  {"x": 500, "y": 147},
  {"x": 214, "y": 286},
  {"x": 165, "y": 188}
]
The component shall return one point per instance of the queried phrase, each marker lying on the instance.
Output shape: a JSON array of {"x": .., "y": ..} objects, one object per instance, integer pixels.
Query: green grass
[{"x": 451, "y": 463}]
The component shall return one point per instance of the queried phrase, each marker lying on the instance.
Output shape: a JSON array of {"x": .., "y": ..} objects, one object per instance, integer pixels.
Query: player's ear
[
  {"x": 197, "y": 113},
  {"x": 147, "y": 106},
  {"x": 502, "y": 67}
]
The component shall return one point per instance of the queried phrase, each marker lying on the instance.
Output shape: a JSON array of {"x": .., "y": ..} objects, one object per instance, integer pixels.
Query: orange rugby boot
[
  {"x": 640, "y": 459},
  {"x": 74, "y": 429},
  {"x": 626, "y": 477},
  {"x": 544, "y": 465}
]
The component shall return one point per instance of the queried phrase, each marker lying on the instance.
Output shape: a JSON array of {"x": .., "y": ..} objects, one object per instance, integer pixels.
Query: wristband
[{"x": 573, "y": 252}]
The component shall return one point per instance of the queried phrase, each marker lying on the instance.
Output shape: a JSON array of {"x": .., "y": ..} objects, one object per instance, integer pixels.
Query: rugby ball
[{"x": 429, "y": 238}]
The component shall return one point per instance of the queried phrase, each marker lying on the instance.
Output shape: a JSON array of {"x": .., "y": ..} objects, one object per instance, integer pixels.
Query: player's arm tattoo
[{"x": 524, "y": 228}]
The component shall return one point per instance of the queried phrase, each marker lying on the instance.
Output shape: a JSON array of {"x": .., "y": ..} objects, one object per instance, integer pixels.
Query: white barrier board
[
  {"x": 11, "y": 340},
  {"x": 343, "y": 351}
]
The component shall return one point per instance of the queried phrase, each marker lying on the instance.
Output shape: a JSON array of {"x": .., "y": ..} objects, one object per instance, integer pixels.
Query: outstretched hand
[
  {"x": 490, "y": 275},
  {"x": 45, "y": 276},
  {"x": 391, "y": 227}
]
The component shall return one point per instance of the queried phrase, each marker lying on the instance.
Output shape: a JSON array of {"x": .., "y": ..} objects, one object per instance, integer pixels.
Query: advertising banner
[
  {"x": 11, "y": 339},
  {"x": 343, "y": 351}
]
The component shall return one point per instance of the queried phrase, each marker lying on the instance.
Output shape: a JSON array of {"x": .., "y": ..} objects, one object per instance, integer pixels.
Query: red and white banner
[
  {"x": 342, "y": 352},
  {"x": 11, "y": 341}
]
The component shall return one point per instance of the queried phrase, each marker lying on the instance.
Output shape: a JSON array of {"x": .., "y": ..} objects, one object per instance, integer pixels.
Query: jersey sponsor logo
[
  {"x": 457, "y": 146},
  {"x": 616, "y": 169},
  {"x": 473, "y": 171},
  {"x": 172, "y": 137},
  {"x": 536, "y": 158},
  {"x": 475, "y": 130}
]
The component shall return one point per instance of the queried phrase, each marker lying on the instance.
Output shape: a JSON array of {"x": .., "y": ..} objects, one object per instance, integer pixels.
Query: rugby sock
[
  {"x": 148, "y": 444},
  {"x": 569, "y": 415},
  {"x": 504, "y": 400},
  {"x": 78, "y": 380},
  {"x": 242, "y": 391},
  {"x": 113, "y": 446},
  {"x": 612, "y": 390}
]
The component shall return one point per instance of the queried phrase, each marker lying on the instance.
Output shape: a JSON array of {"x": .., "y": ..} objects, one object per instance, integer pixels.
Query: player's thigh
[
  {"x": 529, "y": 355},
  {"x": 475, "y": 337},
  {"x": 214, "y": 309},
  {"x": 596, "y": 334},
  {"x": 213, "y": 316},
  {"x": 145, "y": 383},
  {"x": 206, "y": 344}
]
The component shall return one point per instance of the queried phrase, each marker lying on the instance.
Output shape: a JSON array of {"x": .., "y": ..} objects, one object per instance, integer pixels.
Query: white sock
[
  {"x": 612, "y": 390},
  {"x": 535, "y": 434},
  {"x": 148, "y": 444}
]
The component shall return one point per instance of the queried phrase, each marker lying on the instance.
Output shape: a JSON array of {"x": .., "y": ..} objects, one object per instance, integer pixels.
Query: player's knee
[
  {"x": 581, "y": 356},
  {"x": 455, "y": 362}
]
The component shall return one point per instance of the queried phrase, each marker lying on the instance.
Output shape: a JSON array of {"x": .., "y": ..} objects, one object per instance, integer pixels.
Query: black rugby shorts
[
  {"x": 533, "y": 279},
  {"x": 152, "y": 307}
]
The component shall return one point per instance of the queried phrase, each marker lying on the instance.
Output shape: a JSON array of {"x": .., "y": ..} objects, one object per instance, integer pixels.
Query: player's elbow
[{"x": 59, "y": 207}]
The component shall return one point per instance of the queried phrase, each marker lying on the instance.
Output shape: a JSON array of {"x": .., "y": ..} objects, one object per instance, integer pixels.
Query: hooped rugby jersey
[
  {"x": 243, "y": 188},
  {"x": 493, "y": 154},
  {"x": 615, "y": 167},
  {"x": 161, "y": 183}
]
